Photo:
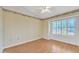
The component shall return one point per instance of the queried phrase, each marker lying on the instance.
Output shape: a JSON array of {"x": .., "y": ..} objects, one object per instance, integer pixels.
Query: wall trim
[
  {"x": 73, "y": 11},
  {"x": 66, "y": 13},
  {"x": 19, "y": 43},
  {"x": 19, "y": 13}
]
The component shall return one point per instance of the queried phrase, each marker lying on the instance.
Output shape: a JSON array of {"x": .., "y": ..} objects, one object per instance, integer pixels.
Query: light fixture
[{"x": 45, "y": 9}]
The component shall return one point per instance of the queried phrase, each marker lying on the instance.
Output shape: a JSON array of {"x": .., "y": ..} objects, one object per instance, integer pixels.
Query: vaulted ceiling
[{"x": 35, "y": 11}]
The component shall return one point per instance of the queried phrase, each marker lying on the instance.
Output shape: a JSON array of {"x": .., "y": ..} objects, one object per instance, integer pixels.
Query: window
[
  {"x": 58, "y": 27},
  {"x": 63, "y": 27},
  {"x": 54, "y": 27},
  {"x": 71, "y": 26}
]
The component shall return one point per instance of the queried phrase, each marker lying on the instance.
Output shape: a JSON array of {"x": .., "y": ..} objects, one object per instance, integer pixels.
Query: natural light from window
[{"x": 63, "y": 27}]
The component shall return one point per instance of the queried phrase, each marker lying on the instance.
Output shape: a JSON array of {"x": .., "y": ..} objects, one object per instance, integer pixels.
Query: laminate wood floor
[{"x": 43, "y": 46}]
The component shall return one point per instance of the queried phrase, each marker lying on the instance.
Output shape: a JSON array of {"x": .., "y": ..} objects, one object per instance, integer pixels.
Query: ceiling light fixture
[{"x": 45, "y": 9}]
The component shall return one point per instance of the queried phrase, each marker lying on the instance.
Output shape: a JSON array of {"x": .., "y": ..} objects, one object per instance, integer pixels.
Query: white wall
[
  {"x": 21, "y": 29},
  {"x": 68, "y": 39},
  {"x": 1, "y": 30}
]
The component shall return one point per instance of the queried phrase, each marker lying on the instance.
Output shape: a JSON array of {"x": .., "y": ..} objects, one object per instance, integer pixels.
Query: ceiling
[{"x": 35, "y": 11}]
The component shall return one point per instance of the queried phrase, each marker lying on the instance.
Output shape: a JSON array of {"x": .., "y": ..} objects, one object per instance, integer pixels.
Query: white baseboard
[{"x": 19, "y": 43}]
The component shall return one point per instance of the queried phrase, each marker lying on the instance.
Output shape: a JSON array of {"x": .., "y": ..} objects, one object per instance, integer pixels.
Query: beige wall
[
  {"x": 20, "y": 29},
  {"x": 45, "y": 28},
  {"x": 1, "y": 30}
]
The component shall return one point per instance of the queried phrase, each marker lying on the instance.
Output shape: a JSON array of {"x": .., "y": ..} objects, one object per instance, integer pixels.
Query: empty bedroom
[{"x": 39, "y": 29}]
